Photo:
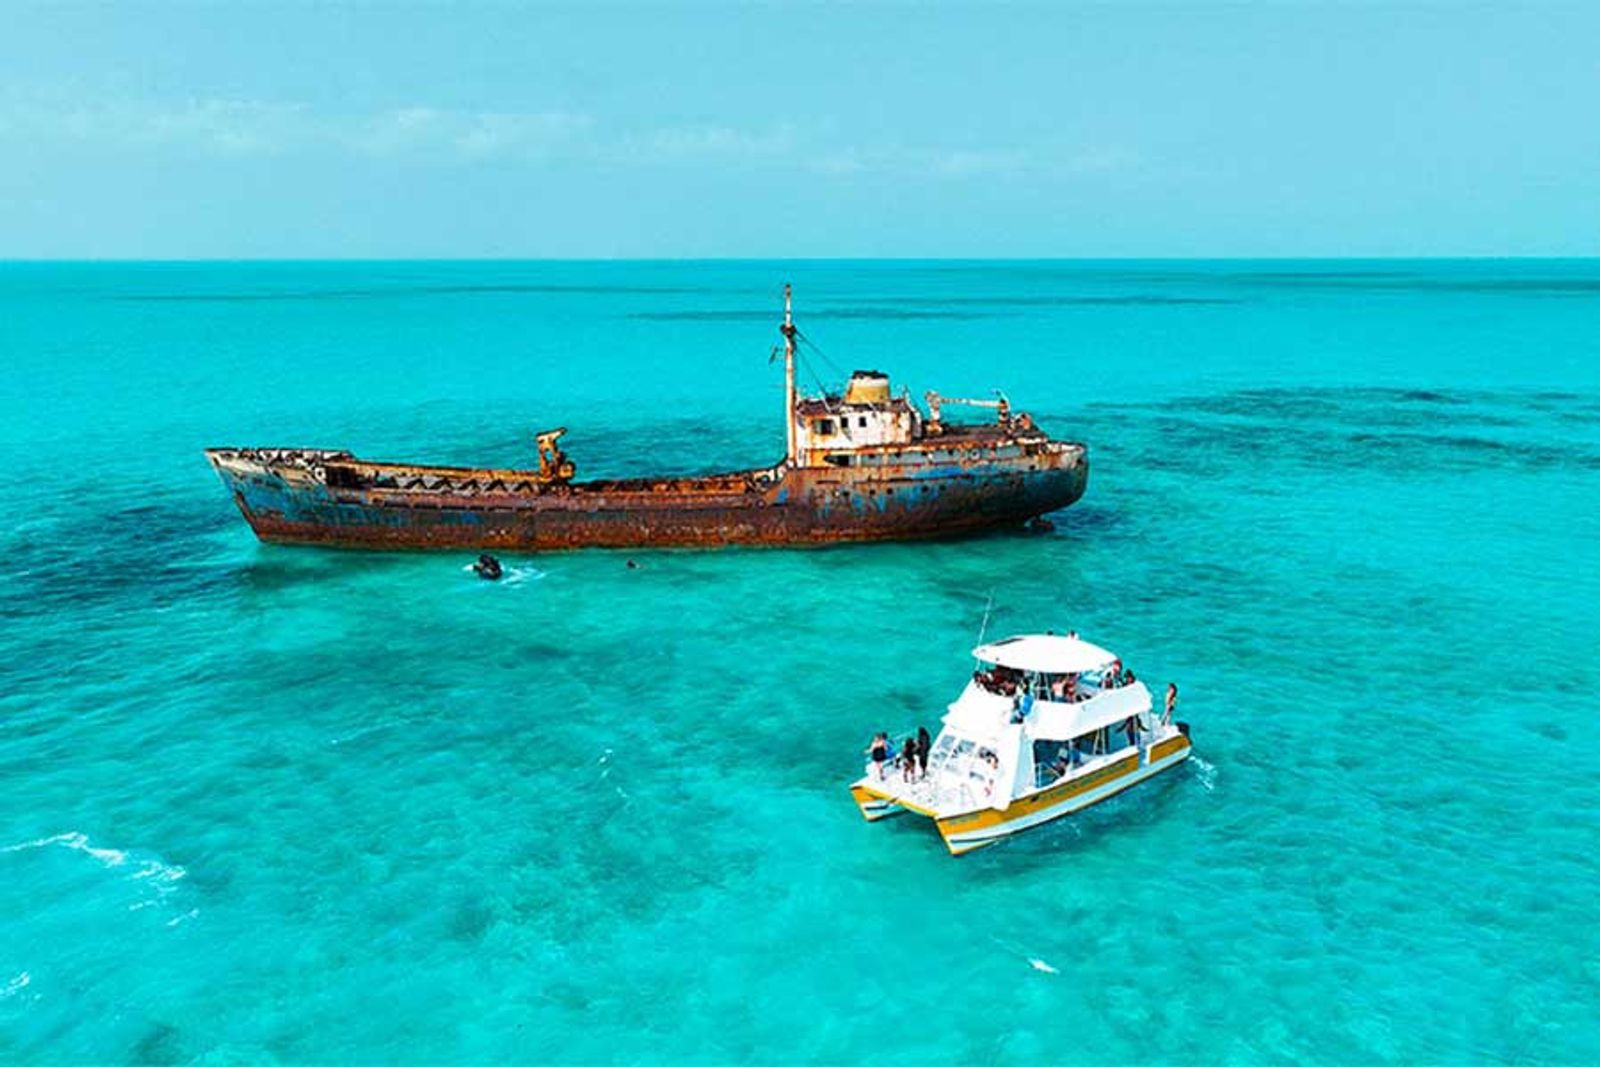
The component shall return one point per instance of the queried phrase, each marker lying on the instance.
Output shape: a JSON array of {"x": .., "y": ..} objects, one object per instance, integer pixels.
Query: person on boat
[
  {"x": 924, "y": 743},
  {"x": 879, "y": 751},
  {"x": 908, "y": 760},
  {"x": 1070, "y": 689},
  {"x": 1172, "y": 701},
  {"x": 1114, "y": 676},
  {"x": 1130, "y": 727}
]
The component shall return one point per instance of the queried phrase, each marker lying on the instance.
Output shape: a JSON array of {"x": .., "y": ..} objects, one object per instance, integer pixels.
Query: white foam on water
[
  {"x": 159, "y": 873},
  {"x": 363, "y": 732},
  {"x": 111, "y": 857},
  {"x": 513, "y": 575},
  {"x": 1033, "y": 961},
  {"x": 1207, "y": 775},
  {"x": 16, "y": 985},
  {"x": 36, "y": 843},
  {"x": 162, "y": 877},
  {"x": 518, "y": 575},
  {"x": 176, "y": 919}
]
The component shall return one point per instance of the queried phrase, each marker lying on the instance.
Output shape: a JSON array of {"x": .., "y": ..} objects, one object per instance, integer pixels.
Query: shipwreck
[{"x": 863, "y": 465}]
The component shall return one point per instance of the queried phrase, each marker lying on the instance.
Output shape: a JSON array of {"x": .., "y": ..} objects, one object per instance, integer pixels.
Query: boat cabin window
[
  {"x": 861, "y": 420},
  {"x": 837, "y": 459},
  {"x": 1054, "y": 760},
  {"x": 823, "y": 426}
]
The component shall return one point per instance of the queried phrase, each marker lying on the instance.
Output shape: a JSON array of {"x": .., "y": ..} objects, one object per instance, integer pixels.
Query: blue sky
[{"x": 443, "y": 130}]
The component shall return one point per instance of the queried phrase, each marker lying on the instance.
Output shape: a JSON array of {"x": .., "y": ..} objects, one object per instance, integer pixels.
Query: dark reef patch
[
  {"x": 405, "y": 291},
  {"x": 1076, "y": 300}
]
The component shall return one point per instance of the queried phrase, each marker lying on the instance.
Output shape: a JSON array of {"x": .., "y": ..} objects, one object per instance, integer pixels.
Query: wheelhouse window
[
  {"x": 837, "y": 459},
  {"x": 823, "y": 427}
]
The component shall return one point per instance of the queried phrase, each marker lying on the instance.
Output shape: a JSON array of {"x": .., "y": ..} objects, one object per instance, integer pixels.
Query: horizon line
[{"x": 1428, "y": 257}]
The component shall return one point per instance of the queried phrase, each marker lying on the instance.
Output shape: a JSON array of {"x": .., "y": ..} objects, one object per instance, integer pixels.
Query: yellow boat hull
[{"x": 971, "y": 830}]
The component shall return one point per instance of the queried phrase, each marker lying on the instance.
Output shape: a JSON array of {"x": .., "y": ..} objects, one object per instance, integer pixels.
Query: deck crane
[{"x": 935, "y": 427}]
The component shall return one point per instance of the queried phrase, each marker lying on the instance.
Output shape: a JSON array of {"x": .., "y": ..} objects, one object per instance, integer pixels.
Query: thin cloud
[
  {"x": 716, "y": 142},
  {"x": 230, "y": 128},
  {"x": 963, "y": 163},
  {"x": 466, "y": 134},
  {"x": 225, "y": 127}
]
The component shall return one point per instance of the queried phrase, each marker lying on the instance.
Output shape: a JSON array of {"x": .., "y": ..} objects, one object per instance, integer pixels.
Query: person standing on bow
[{"x": 879, "y": 751}]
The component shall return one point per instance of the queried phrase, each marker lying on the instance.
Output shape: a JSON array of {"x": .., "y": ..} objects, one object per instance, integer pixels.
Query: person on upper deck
[{"x": 924, "y": 742}]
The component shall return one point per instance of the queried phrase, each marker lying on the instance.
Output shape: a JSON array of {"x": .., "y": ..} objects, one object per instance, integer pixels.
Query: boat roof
[{"x": 1045, "y": 654}]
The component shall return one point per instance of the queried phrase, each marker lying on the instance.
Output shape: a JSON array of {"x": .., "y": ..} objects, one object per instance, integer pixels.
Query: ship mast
[{"x": 788, "y": 372}]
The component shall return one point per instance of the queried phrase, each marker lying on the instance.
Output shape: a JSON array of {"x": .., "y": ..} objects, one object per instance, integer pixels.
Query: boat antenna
[
  {"x": 988, "y": 607},
  {"x": 788, "y": 371}
]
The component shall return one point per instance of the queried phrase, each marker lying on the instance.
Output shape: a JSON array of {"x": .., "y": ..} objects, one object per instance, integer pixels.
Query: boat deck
[{"x": 952, "y": 793}]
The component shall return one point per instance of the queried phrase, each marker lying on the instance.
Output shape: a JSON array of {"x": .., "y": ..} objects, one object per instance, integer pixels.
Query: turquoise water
[{"x": 285, "y": 805}]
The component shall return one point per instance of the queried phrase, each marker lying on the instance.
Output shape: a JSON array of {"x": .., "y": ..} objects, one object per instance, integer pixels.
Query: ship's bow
[{"x": 274, "y": 487}]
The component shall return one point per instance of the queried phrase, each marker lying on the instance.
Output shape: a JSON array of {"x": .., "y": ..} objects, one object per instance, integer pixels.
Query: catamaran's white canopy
[
  {"x": 984, "y": 716},
  {"x": 1050, "y": 721},
  {"x": 1045, "y": 654}
]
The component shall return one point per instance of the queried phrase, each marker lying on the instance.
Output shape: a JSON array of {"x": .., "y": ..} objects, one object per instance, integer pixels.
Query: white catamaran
[{"x": 1049, "y": 726}]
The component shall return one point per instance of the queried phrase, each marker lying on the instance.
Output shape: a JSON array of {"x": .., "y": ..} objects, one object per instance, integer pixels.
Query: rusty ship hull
[
  {"x": 863, "y": 464},
  {"x": 962, "y": 483}
]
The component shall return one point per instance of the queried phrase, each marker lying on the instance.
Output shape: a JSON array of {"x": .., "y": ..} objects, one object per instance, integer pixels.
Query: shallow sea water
[{"x": 283, "y": 805}]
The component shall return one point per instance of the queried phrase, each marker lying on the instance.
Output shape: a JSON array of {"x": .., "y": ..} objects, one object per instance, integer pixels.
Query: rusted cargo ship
[{"x": 860, "y": 466}]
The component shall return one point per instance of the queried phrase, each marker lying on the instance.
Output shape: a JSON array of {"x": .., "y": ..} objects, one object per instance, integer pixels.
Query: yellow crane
[{"x": 935, "y": 426}]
